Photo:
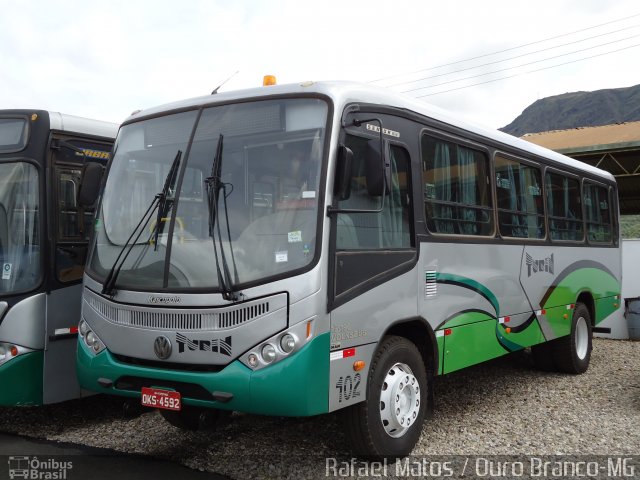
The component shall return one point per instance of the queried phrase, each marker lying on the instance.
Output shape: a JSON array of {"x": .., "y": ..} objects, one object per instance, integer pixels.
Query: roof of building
[{"x": 619, "y": 136}]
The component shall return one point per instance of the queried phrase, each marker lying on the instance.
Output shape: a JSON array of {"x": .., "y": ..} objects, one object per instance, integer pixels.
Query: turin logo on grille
[
  {"x": 537, "y": 266},
  {"x": 215, "y": 345}
]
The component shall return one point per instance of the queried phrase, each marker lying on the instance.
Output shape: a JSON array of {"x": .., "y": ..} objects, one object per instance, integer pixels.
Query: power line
[
  {"x": 519, "y": 66},
  {"x": 513, "y": 58},
  {"x": 507, "y": 49},
  {"x": 529, "y": 72}
]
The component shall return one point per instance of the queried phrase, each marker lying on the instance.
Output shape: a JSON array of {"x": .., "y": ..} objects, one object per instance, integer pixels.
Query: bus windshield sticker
[
  {"x": 295, "y": 237},
  {"x": 308, "y": 194},
  {"x": 6, "y": 271},
  {"x": 282, "y": 257}
]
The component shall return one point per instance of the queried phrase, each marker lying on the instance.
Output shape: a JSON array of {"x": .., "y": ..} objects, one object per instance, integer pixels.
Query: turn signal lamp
[
  {"x": 268, "y": 80},
  {"x": 358, "y": 365}
]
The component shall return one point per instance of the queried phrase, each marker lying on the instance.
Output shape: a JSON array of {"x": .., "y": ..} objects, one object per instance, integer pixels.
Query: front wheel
[{"x": 389, "y": 422}]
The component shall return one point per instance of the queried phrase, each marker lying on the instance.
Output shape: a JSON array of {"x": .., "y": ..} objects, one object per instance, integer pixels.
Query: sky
[{"x": 106, "y": 59}]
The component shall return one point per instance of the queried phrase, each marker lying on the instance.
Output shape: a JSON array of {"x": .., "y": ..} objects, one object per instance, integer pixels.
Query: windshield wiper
[
  {"x": 214, "y": 185},
  {"x": 166, "y": 198},
  {"x": 162, "y": 202}
]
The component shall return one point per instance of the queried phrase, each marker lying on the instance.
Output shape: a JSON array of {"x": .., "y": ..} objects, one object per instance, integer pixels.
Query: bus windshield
[
  {"x": 268, "y": 156},
  {"x": 19, "y": 227}
]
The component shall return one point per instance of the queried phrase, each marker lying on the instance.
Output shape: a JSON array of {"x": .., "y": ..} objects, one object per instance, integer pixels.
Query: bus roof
[
  {"x": 88, "y": 126},
  {"x": 69, "y": 123},
  {"x": 344, "y": 93}
]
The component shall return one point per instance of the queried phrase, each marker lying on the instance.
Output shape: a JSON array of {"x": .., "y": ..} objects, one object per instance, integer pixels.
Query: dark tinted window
[
  {"x": 564, "y": 207},
  {"x": 456, "y": 188},
  {"x": 597, "y": 208},
  {"x": 520, "y": 201}
]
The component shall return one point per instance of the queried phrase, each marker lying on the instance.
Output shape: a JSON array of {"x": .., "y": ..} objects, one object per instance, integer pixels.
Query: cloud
[{"x": 104, "y": 60}]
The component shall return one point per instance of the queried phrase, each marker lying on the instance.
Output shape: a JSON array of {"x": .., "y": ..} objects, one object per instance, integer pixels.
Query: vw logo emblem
[{"x": 162, "y": 347}]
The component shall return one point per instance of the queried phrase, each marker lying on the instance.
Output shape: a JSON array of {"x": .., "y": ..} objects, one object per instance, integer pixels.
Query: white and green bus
[
  {"x": 299, "y": 249},
  {"x": 43, "y": 245}
]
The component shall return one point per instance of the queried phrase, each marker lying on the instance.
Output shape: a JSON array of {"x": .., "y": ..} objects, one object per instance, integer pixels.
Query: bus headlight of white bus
[
  {"x": 9, "y": 351},
  {"x": 90, "y": 338},
  {"x": 279, "y": 346}
]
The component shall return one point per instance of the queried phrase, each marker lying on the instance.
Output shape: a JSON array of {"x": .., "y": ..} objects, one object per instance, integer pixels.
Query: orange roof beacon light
[{"x": 268, "y": 80}]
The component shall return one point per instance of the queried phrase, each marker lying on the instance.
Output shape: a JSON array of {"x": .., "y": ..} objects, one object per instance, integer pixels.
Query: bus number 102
[{"x": 348, "y": 387}]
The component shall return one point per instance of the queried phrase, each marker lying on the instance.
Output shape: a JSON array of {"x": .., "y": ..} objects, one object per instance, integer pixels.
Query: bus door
[
  {"x": 373, "y": 249},
  {"x": 70, "y": 226}
]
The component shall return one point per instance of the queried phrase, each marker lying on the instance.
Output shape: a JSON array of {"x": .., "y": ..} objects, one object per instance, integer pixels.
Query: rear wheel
[
  {"x": 389, "y": 422},
  {"x": 571, "y": 354}
]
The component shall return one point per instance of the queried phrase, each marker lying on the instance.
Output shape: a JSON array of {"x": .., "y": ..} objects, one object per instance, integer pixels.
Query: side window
[
  {"x": 456, "y": 188},
  {"x": 520, "y": 202},
  {"x": 564, "y": 207},
  {"x": 597, "y": 213},
  {"x": 391, "y": 228}
]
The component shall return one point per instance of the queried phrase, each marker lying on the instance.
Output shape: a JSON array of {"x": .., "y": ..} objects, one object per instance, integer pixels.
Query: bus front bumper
[{"x": 295, "y": 386}]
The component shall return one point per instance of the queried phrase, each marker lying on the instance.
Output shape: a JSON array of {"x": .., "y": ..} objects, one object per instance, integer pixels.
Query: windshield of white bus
[
  {"x": 19, "y": 227},
  {"x": 267, "y": 211}
]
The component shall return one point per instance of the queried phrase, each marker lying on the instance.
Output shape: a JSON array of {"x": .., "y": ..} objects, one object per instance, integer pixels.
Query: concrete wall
[{"x": 630, "y": 289}]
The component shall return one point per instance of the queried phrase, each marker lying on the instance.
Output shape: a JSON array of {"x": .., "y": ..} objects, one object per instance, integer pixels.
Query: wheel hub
[
  {"x": 399, "y": 400},
  {"x": 582, "y": 338}
]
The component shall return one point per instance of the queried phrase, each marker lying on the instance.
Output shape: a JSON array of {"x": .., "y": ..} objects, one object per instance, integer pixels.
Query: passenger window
[
  {"x": 390, "y": 228},
  {"x": 597, "y": 213},
  {"x": 456, "y": 188},
  {"x": 564, "y": 207},
  {"x": 520, "y": 202}
]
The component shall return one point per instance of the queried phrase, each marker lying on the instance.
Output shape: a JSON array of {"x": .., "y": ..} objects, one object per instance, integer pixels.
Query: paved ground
[{"x": 87, "y": 462}]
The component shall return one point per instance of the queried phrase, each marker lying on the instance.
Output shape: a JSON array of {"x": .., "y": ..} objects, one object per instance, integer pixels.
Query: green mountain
[{"x": 578, "y": 109}]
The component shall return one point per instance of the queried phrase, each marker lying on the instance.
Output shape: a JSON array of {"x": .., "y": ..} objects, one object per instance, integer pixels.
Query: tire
[
  {"x": 192, "y": 418},
  {"x": 571, "y": 354},
  {"x": 372, "y": 428},
  {"x": 542, "y": 357}
]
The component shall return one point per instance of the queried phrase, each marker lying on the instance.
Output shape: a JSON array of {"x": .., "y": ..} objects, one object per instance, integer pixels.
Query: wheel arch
[
  {"x": 586, "y": 297},
  {"x": 419, "y": 332}
]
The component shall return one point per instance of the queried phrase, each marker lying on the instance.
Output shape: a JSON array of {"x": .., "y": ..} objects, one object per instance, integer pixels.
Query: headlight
[
  {"x": 268, "y": 353},
  {"x": 83, "y": 328},
  {"x": 90, "y": 338},
  {"x": 279, "y": 346},
  {"x": 287, "y": 343}
]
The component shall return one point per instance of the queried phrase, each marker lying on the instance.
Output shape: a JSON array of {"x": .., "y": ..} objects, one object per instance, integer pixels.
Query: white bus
[
  {"x": 299, "y": 249},
  {"x": 43, "y": 244}
]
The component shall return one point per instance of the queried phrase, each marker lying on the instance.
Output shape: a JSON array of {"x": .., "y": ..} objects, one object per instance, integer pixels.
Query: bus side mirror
[
  {"x": 376, "y": 170},
  {"x": 342, "y": 183},
  {"x": 90, "y": 184}
]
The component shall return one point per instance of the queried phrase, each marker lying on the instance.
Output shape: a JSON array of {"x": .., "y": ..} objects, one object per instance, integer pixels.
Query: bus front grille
[{"x": 221, "y": 318}]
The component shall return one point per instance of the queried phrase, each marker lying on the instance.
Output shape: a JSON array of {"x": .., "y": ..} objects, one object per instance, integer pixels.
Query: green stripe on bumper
[
  {"x": 21, "y": 380},
  {"x": 295, "y": 386}
]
